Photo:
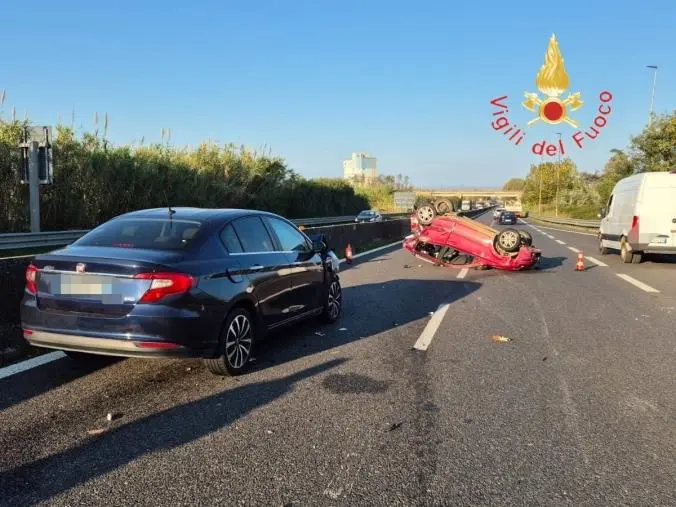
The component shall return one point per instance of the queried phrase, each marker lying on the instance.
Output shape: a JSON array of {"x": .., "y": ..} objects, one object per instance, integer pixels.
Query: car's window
[
  {"x": 290, "y": 239},
  {"x": 230, "y": 240},
  {"x": 610, "y": 202},
  {"x": 147, "y": 233},
  {"x": 253, "y": 235}
]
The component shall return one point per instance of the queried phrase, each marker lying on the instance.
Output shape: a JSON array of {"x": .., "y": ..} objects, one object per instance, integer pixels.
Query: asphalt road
[{"x": 578, "y": 408}]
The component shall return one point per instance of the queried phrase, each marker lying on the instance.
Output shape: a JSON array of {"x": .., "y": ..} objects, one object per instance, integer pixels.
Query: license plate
[
  {"x": 660, "y": 240},
  {"x": 74, "y": 285}
]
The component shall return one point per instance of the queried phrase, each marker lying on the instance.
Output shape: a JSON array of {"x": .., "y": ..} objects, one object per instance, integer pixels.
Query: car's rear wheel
[
  {"x": 444, "y": 206},
  {"x": 236, "y": 344},
  {"x": 526, "y": 238},
  {"x": 333, "y": 301},
  {"x": 509, "y": 240},
  {"x": 602, "y": 249},
  {"x": 426, "y": 213}
]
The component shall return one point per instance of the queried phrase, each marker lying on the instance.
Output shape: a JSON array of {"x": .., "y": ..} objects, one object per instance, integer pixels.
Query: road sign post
[
  {"x": 34, "y": 185},
  {"x": 37, "y": 167}
]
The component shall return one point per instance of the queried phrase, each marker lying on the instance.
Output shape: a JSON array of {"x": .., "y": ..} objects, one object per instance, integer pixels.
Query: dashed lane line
[
  {"x": 596, "y": 261},
  {"x": 463, "y": 272},
  {"x": 13, "y": 369},
  {"x": 576, "y": 250},
  {"x": 428, "y": 333},
  {"x": 562, "y": 230},
  {"x": 549, "y": 236},
  {"x": 637, "y": 283},
  {"x": 560, "y": 242}
]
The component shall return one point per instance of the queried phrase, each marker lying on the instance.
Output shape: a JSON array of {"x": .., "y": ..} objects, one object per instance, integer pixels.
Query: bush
[{"x": 94, "y": 181}]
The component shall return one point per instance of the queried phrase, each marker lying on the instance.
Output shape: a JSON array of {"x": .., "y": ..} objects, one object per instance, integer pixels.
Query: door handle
[{"x": 256, "y": 267}]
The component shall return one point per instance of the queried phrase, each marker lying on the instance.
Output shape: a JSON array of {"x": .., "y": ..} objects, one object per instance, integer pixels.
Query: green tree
[
  {"x": 655, "y": 148},
  {"x": 514, "y": 185}
]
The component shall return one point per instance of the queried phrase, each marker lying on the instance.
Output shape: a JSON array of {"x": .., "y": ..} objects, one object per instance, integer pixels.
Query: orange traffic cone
[
  {"x": 348, "y": 254},
  {"x": 579, "y": 266}
]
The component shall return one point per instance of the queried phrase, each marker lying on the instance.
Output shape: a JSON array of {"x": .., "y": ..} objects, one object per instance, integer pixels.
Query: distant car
[
  {"x": 443, "y": 239},
  {"x": 186, "y": 282},
  {"x": 369, "y": 216},
  {"x": 497, "y": 213},
  {"x": 507, "y": 218}
]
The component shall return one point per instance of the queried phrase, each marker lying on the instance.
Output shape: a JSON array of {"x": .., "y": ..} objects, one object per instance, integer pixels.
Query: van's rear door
[{"x": 657, "y": 211}]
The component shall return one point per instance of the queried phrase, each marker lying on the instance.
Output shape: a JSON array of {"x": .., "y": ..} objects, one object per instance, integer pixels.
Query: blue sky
[{"x": 313, "y": 81}]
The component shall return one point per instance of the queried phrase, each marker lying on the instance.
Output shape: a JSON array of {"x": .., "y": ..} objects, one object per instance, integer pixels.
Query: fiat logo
[{"x": 79, "y": 267}]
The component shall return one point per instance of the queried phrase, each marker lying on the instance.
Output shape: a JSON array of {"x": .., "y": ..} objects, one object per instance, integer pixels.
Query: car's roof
[{"x": 200, "y": 214}]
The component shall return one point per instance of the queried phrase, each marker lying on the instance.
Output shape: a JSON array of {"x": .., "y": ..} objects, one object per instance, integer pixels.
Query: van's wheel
[
  {"x": 526, "y": 238},
  {"x": 444, "y": 206},
  {"x": 637, "y": 258},
  {"x": 602, "y": 249},
  {"x": 625, "y": 254},
  {"x": 426, "y": 213},
  {"x": 509, "y": 240},
  {"x": 236, "y": 344}
]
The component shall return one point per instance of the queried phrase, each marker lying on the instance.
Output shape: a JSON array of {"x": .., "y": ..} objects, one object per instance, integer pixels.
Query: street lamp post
[
  {"x": 652, "y": 98},
  {"x": 558, "y": 166}
]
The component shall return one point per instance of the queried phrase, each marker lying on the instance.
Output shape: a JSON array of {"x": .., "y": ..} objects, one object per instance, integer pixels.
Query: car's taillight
[
  {"x": 164, "y": 284},
  {"x": 31, "y": 276}
]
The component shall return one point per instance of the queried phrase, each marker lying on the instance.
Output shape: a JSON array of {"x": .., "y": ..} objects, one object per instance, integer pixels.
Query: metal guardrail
[
  {"x": 577, "y": 222},
  {"x": 28, "y": 240}
]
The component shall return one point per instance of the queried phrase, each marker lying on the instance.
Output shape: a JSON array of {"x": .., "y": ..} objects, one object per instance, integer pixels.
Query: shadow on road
[
  {"x": 24, "y": 386},
  {"x": 50, "y": 476},
  {"x": 368, "y": 310}
]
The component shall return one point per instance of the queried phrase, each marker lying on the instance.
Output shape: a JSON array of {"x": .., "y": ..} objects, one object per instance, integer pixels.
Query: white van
[{"x": 640, "y": 216}]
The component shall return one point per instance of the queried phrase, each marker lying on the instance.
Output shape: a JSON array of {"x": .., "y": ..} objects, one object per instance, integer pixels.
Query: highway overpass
[{"x": 472, "y": 193}]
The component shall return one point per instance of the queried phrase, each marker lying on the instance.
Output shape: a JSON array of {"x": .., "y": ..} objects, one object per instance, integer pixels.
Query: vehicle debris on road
[{"x": 500, "y": 339}]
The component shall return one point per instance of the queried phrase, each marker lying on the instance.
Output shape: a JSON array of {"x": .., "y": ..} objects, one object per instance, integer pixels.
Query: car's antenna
[{"x": 171, "y": 211}]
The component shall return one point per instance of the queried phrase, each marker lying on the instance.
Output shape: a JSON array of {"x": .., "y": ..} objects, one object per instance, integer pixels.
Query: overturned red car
[{"x": 460, "y": 242}]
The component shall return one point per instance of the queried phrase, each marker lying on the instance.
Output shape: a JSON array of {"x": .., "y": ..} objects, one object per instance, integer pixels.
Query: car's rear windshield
[
  {"x": 147, "y": 233},
  {"x": 367, "y": 213}
]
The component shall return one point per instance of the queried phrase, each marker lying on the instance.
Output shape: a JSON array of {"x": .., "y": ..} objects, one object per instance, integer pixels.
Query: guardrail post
[{"x": 34, "y": 186}]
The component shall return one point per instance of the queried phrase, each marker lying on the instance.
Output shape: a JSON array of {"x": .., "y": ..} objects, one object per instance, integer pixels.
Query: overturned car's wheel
[
  {"x": 444, "y": 206},
  {"x": 526, "y": 238},
  {"x": 509, "y": 240},
  {"x": 426, "y": 213}
]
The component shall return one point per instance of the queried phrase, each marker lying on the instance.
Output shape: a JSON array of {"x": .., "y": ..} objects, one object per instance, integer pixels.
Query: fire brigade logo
[{"x": 552, "y": 81}]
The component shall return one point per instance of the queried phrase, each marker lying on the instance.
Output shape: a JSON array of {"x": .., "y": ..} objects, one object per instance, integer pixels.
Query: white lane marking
[
  {"x": 596, "y": 261},
  {"x": 428, "y": 333},
  {"x": 13, "y": 369},
  {"x": 560, "y": 242},
  {"x": 574, "y": 249},
  {"x": 636, "y": 283},
  {"x": 549, "y": 236},
  {"x": 463, "y": 272},
  {"x": 568, "y": 230},
  {"x": 375, "y": 250}
]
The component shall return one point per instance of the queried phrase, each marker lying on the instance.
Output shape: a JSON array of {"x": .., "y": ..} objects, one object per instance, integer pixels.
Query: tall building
[{"x": 361, "y": 164}]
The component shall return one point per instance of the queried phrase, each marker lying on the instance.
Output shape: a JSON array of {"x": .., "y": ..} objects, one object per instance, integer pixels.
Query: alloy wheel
[
  {"x": 238, "y": 341},
  {"x": 335, "y": 300}
]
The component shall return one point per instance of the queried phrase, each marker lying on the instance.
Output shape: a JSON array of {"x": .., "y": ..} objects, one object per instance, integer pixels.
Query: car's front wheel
[
  {"x": 509, "y": 240},
  {"x": 333, "y": 301},
  {"x": 236, "y": 344}
]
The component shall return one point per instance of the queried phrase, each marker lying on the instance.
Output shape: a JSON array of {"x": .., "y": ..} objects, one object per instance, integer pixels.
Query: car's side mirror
[
  {"x": 602, "y": 212},
  {"x": 317, "y": 246}
]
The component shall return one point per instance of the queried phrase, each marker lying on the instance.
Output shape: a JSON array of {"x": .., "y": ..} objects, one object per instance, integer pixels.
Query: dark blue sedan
[{"x": 182, "y": 282}]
